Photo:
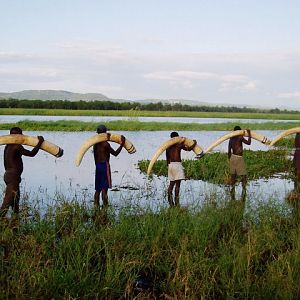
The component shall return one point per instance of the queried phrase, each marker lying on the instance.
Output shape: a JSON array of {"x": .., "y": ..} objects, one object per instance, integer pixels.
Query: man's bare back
[
  {"x": 103, "y": 150},
  {"x": 173, "y": 153},
  {"x": 235, "y": 145}
]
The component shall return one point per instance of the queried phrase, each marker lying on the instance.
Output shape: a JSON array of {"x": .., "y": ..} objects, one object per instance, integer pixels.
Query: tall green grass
[
  {"x": 135, "y": 125},
  {"x": 214, "y": 167},
  {"x": 139, "y": 113},
  {"x": 213, "y": 252}
]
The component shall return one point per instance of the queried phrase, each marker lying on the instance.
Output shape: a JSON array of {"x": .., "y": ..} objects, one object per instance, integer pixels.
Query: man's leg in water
[
  {"x": 177, "y": 189},
  {"x": 244, "y": 189},
  {"x": 104, "y": 198},
  {"x": 297, "y": 180},
  {"x": 11, "y": 198},
  {"x": 16, "y": 207},
  {"x": 170, "y": 193},
  {"x": 232, "y": 186},
  {"x": 96, "y": 198}
]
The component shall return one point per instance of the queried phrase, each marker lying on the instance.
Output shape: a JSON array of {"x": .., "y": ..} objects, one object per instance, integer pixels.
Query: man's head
[
  {"x": 16, "y": 130},
  {"x": 174, "y": 134},
  {"x": 101, "y": 128},
  {"x": 237, "y": 128}
]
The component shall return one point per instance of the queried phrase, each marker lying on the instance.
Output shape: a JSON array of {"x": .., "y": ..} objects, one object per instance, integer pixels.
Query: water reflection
[
  {"x": 99, "y": 119},
  {"x": 58, "y": 179}
]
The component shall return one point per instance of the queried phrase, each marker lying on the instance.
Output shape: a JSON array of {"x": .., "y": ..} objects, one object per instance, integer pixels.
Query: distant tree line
[{"x": 110, "y": 105}]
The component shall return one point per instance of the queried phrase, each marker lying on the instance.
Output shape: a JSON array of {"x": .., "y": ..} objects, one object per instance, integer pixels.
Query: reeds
[
  {"x": 135, "y": 125},
  {"x": 214, "y": 167},
  {"x": 142, "y": 113},
  {"x": 213, "y": 252}
]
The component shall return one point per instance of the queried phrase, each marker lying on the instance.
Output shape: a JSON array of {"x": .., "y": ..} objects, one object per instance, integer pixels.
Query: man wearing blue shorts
[{"x": 102, "y": 153}]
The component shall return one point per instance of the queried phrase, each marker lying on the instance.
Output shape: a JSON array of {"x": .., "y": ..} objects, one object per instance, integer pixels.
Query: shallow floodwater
[
  {"x": 47, "y": 179},
  {"x": 99, "y": 119}
]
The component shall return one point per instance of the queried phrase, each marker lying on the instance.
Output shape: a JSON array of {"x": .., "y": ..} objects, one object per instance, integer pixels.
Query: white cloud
[
  {"x": 291, "y": 95},
  {"x": 189, "y": 79}
]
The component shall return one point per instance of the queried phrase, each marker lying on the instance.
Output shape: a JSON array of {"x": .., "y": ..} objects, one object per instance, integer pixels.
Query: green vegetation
[
  {"x": 136, "y": 106},
  {"x": 213, "y": 252},
  {"x": 137, "y": 113},
  {"x": 214, "y": 167},
  {"x": 132, "y": 125}
]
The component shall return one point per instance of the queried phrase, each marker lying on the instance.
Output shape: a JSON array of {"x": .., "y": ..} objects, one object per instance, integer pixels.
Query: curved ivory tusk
[
  {"x": 31, "y": 141},
  {"x": 257, "y": 136},
  {"x": 102, "y": 137},
  {"x": 284, "y": 134},
  {"x": 176, "y": 140}
]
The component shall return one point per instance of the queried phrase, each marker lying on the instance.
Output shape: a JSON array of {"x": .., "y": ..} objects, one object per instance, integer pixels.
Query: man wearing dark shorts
[
  {"x": 13, "y": 165},
  {"x": 236, "y": 160},
  {"x": 102, "y": 153}
]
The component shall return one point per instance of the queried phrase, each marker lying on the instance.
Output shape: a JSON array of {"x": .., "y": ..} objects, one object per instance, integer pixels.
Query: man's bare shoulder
[{"x": 14, "y": 147}]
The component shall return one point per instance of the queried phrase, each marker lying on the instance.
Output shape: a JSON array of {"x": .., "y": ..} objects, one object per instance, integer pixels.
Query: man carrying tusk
[
  {"x": 236, "y": 160},
  {"x": 13, "y": 165},
  {"x": 102, "y": 153}
]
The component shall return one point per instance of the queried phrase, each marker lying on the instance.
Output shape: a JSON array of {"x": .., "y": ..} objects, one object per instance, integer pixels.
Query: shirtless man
[
  {"x": 296, "y": 161},
  {"x": 102, "y": 153},
  {"x": 235, "y": 155},
  {"x": 13, "y": 165},
  {"x": 175, "y": 168}
]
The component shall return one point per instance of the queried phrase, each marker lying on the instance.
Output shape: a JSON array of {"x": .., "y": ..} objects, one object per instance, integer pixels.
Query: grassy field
[
  {"x": 214, "y": 167},
  {"x": 133, "y": 125},
  {"x": 213, "y": 252},
  {"x": 136, "y": 113}
]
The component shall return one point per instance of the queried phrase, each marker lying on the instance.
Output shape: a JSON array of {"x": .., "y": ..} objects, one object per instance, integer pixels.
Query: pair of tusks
[
  {"x": 102, "y": 137},
  {"x": 176, "y": 140},
  {"x": 257, "y": 136},
  {"x": 198, "y": 150},
  {"x": 284, "y": 134},
  {"x": 31, "y": 141}
]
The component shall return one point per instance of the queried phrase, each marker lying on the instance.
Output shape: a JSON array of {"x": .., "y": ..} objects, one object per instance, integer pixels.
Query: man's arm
[
  {"x": 116, "y": 152},
  {"x": 229, "y": 149},
  {"x": 247, "y": 142},
  {"x": 168, "y": 156},
  {"x": 35, "y": 150},
  {"x": 191, "y": 147}
]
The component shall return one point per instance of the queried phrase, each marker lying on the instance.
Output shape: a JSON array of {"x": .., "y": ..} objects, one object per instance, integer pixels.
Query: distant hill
[
  {"x": 70, "y": 96},
  {"x": 54, "y": 95}
]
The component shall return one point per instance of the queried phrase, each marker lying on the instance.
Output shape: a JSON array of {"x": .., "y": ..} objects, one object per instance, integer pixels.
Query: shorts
[
  {"x": 102, "y": 176},
  {"x": 237, "y": 165},
  {"x": 175, "y": 171}
]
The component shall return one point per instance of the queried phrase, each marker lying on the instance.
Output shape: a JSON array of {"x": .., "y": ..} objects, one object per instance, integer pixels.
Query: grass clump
[
  {"x": 214, "y": 167},
  {"x": 135, "y": 125},
  {"x": 143, "y": 113},
  {"x": 213, "y": 252}
]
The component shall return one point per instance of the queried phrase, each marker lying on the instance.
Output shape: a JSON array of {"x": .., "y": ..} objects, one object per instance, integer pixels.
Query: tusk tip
[
  {"x": 60, "y": 153},
  {"x": 200, "y": 155}
]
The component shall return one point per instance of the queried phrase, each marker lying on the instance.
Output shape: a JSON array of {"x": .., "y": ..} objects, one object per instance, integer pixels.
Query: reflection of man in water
[
  {"x": 175, "y": 168},
  {"x": 296, "y": 162},
  {"x": 102, "y": 153},
  {"x": 236, "y": 159},
  {"x": 13, "y": 165}
]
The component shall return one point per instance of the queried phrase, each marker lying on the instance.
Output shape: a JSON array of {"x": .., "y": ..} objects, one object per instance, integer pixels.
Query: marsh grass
[
  {"x": 214, "y": 167},
  {"x": 133, "y": 124},
  {"x": 142, "y": 113},
  {"x": 212, "y": 252}
]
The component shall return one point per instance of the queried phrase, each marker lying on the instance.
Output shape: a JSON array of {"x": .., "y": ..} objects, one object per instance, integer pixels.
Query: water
[
  {"x": 46, "y": 178},
  {"x": 99, "y": 119}
]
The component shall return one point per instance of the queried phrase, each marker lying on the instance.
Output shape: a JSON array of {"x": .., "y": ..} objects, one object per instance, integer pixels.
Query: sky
[{"x": 238, "y": 52}]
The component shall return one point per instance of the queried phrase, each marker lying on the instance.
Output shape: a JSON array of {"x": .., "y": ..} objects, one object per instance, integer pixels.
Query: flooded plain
[
  {"x": 17, "y": 118},
  {"x": 47, "y": 179}
]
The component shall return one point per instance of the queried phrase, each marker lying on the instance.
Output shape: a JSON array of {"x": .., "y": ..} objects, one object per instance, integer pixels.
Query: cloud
[
  {"x": 290, "y": 95},
  {"x": 190, "y": 79}
]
